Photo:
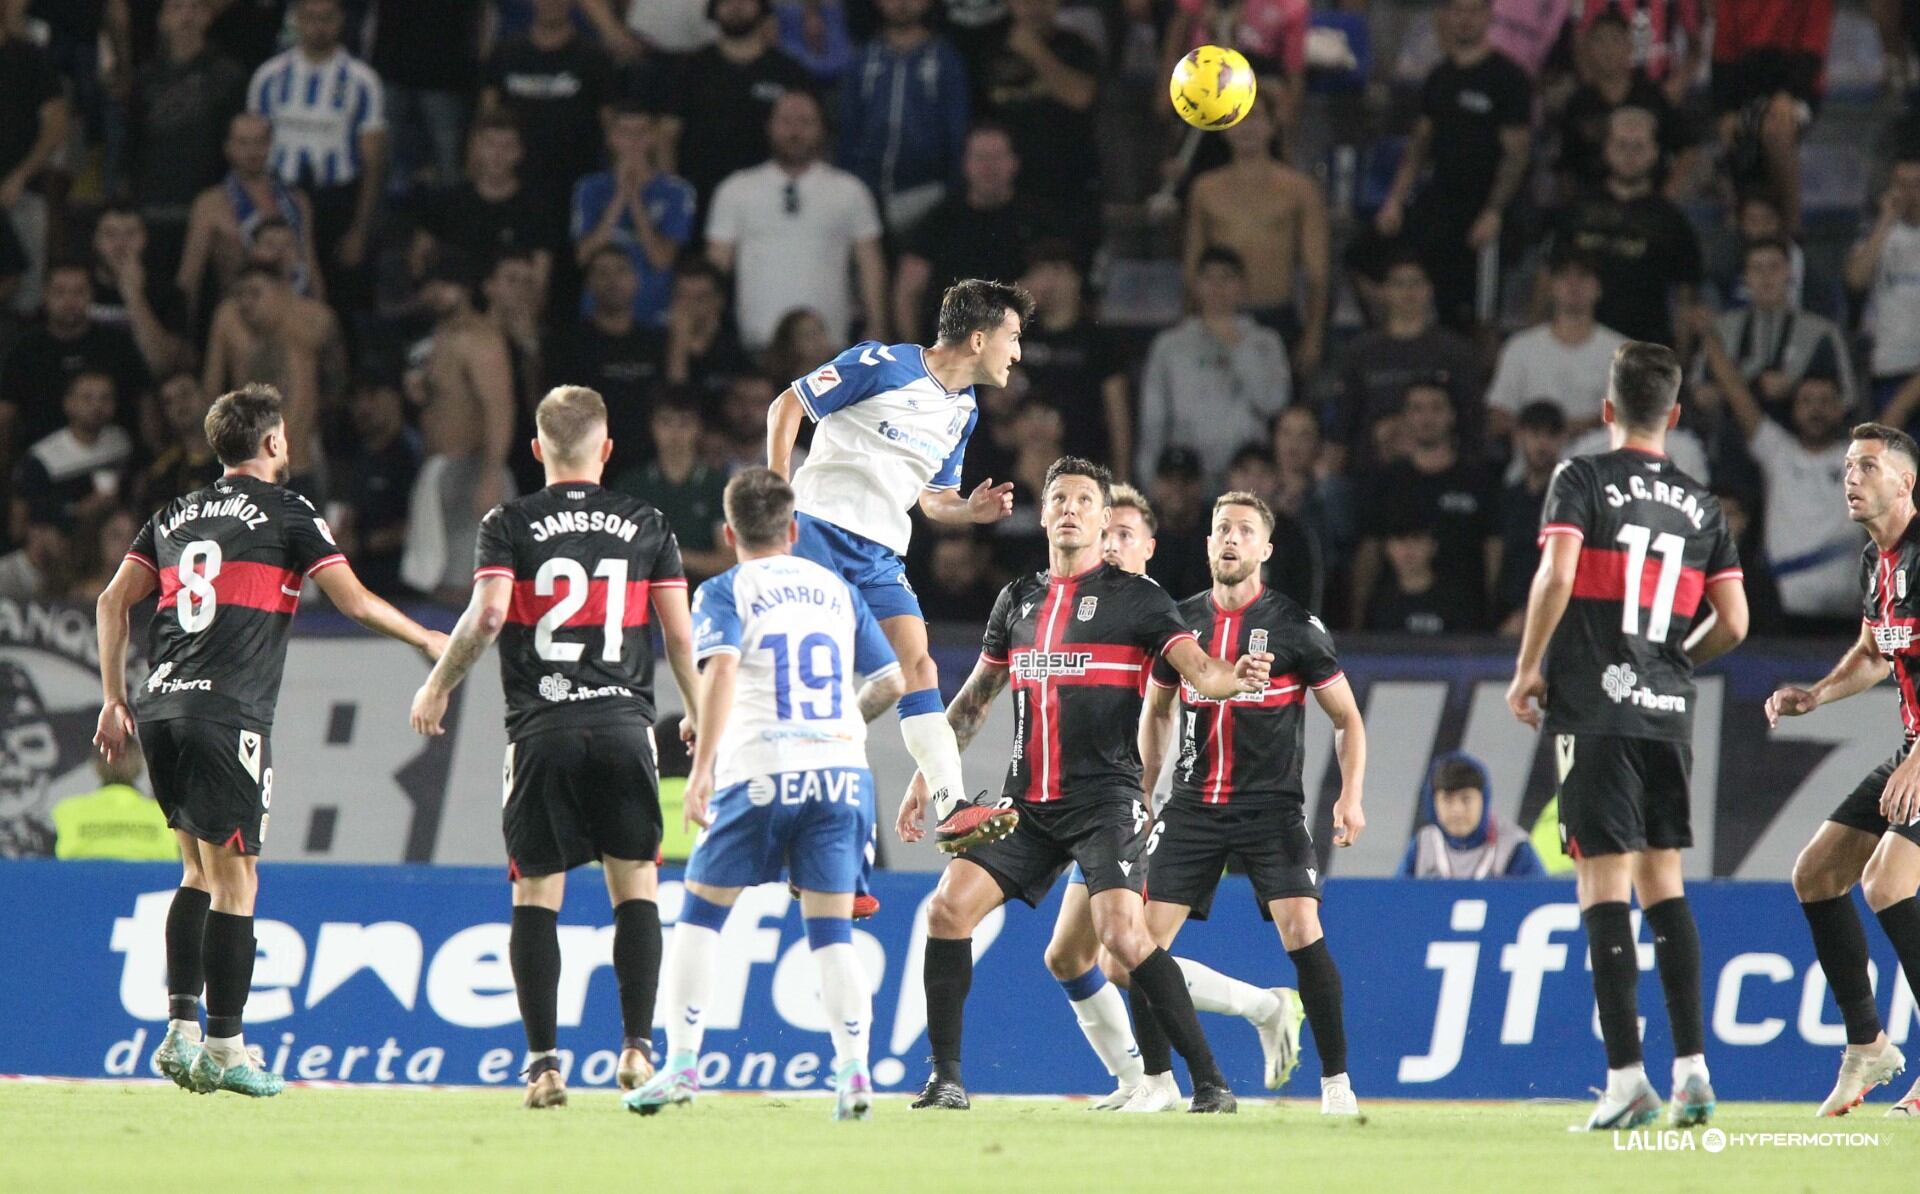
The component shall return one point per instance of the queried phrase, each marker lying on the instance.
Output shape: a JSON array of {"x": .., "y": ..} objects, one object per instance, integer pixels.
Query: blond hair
[
  {"x": 1126, "y": 497},
  {"x": 566, "y": 418}
]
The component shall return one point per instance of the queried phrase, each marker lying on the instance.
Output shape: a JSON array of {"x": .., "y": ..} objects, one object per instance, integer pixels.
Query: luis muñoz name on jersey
[
  {"x": 234, "y": 507},
  {"x": 575, "y": 522},
  {"x": 1642, "y": 490}
]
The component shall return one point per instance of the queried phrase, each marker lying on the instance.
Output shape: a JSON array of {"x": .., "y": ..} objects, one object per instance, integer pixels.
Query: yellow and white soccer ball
[{"x": 1212, "y": 88}]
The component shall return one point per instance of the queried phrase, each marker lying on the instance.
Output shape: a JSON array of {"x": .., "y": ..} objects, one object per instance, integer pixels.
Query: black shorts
[
  {"x": 1191, "y": 843},
  {"x": 213, "y": 781},
  {"x": 1622, "y": 795},
  {"x": 1861, "y": 809},
  {"x": 1104, "y": 832},
  {"x": 575, "y": 795}
]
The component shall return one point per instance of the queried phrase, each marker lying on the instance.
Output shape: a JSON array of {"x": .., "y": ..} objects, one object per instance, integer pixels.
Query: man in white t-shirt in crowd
[
  {"x": 1886, "y": 267},
  {"x": 1566, "y": 360},
  {"x": 789, "y": 228},
  {"x": 1811, "y": 542},
  {"x": 1772, "y": 340}
]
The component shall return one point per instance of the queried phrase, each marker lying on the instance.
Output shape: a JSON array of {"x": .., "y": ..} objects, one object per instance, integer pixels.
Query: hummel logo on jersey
[
  {"x": 1038, "y": 665},
  {"x": 1618, "y": 683},
  {"x": 1087, "y": 607},
  {"x": 1892, "y": 640},
  {"x": 873, "y": 356}
]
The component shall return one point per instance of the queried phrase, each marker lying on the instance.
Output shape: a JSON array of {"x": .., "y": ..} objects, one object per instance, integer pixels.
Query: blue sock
[
  {"x": 1086, "y": 986},
  {"x": 927, "y": 700},
  {"x": 704, "y": 913},
  {"x": 823, "y": 931}
]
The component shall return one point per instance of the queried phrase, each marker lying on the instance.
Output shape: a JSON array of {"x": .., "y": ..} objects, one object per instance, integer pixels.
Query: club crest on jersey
[
  {"x": 1257, "y": 641},
  {"x": 1087, "y": 607}
]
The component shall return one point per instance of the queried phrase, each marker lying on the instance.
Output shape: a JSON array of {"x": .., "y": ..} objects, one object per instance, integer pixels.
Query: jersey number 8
[{"x": 196, "y": 603}]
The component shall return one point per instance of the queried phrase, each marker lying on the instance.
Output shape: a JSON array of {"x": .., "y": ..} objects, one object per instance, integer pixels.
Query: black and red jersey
[
  {"x": 231, "y": 560},
  {"x": 584, "y": 561},
  {"x": 1890, "y": 603},
  {"x": 1079, "y": 648},
  {"x": 1249, "y": 749},
  {"x": 1651, "y": 540}
]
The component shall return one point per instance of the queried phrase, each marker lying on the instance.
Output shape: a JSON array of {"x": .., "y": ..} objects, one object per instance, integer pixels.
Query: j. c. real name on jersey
[
  {"x": 578, "y": 522},
  {"x": 1639, "y": 489}
]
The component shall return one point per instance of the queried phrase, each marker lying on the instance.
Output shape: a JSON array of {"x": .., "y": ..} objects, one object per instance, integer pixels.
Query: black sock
[
  {"x": 636, "y": 963},
  {"x": 227, "y": 951},
  {"x": 1840, "y": 943},
  {"x": 533, "y": 950},
  {"x": 1155, "y": 1050},
  {"x": 948, "y": 976},
  {"x": 186, "y": 938},
  {"x": 1902, "y": 923},
  {"x": 1616, "y": 980},
  {"x": 1159, "y": 978},
  {"x": 1676, "y": 951},
  {"x": 1319, "y": 981}
]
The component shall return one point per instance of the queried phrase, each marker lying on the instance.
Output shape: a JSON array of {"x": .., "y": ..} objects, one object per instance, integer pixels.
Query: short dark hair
[
  {"x": 1126, "y": 497},
  {"x": 677, "y": 400},
  {"x": 239, "y": 420},
  {"x": 70, "y": 265},
  {"x": 497, "y": 121},
  {"x": 85, "y": 371},
  {"x": 1541, "y": 415},
  {"x": 1221, "y": 255},
  {"x": 759, "y": 506},
  {"x": 1895, "y": 440},
  {"x": 1776, "y": 244},
  {"x": 1454, "y": 774},
  {"x": 1567, "y": 257},
  {"x": 979, "y": 305},
  {"x": 1251, "y": 452},
  {"x": 1079, "y": 466},
  {"x": 1645, "y": 383}
]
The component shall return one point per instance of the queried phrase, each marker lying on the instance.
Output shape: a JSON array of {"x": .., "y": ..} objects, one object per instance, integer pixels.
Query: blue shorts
[
  {"x": 1076, "y": 875},
  {"x": 811, "y": 826},
  {"x": 869, "y": 567}
]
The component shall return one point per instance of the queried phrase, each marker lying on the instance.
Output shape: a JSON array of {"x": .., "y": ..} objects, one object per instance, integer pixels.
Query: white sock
[
  {"x": 1687, "y": 1067},
  {"x": 1339, "y": 1079},
  {"x": 1213, "y": 991},
  {"x": 190, "y": 1029},
  {"x": 1621, "y": 1082},
  {"x": 1103, "y": 1017},
  {"x": 847, "y": 1000},
  {"x": 931, "y": 742},
  {"x": 228, "y": 1050},
  {"x": 687, "y": 985}
]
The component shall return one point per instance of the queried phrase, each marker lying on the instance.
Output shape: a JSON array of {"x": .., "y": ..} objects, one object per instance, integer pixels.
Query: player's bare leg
[
  {"x": 1604, "y": 884},
  {"x": 633, "y": 888},
  {"x": 186, "y": 967},
  {"x": 959, "y": 823},
  {"x": 1073, "y": 958},
  {"x": 1120, "y": 919},
  {"x": 966, "y": 894},
  {"x": 228, "y": 949},
  {"x": 1823, "y": 877},
  {"x": 1891, "y": 879},
  {"x": 1676, "y": 952},
  {"x": 685, "y": 987},
  {"x": 1297, "y": 918},
  {"x": 533, "y": 952}
]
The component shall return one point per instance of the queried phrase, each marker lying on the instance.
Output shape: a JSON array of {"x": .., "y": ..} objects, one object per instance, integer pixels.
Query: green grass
[{"x": 140, "y": 1137}]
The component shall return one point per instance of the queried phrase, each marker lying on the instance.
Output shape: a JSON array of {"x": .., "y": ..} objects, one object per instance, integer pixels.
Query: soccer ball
[{"x": 1212, "y": 88}]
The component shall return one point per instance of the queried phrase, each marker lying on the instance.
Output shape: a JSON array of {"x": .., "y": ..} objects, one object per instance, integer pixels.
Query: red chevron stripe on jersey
[
  {"x": 528, "y": 607},
  {"x": 241, "y": 583}
]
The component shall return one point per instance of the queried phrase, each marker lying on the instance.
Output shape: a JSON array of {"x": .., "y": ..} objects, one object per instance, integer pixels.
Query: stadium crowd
[{"x": 1386, "y": 298}]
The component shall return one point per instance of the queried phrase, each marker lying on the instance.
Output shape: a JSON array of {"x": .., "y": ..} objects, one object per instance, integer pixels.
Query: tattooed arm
[
  {"x": 880, "y": 693},
  {"x": 478, "y": 627}
]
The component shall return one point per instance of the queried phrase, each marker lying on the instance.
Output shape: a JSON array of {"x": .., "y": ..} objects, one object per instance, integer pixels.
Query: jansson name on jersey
[
  {"x": 576, "y": 522},
  {"x": 1642, "y": 490},
  {"x": 238, "y": 507}
]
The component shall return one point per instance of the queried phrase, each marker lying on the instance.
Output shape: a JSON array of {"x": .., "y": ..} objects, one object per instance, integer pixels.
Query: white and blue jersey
[
  {"x": 319, "y": 111},
  {"x": 793, "y": 794}
]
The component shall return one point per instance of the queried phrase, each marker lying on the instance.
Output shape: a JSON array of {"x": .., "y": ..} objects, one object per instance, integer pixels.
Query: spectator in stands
[
  {"x": 80, "y": 466},
  {"x": 375, "y": 484},
  {"x": 1275, "y": 218},
  {"x": 1769, "y": 65},
  {"x": 1216, "y": 379},
  {"x": 227, "y": 217},
  {"x": 1609, "y": 81},
  {"x": 638, "y": 208},
  {"x": 1412, "y": 598},
  {"x": 428, "y": 54},
  {"x": 1539, "y": 438},
  {"x": 904, "y": 108},
  {"x": 149, "y": 307},
  {"x": 39, "y": 569},
  {"x": 985, "y": 231},
  {"x": 265, "y": 332},
  {"x": 1475, "y": 110},
  {"x": 1741, "y": 509},
  {"x": 681, "y": 485},
  {"x": 814, "y": 33},
  {"x": 329, "y": 137},
  {"x": 178, "y": 111},
  {"x": 556, "y": 84},
  {"x": 612, "y": 352},
  {"x": 33, "y": 380},
  {"x": 1757, "y": 218},
  {"x": 1181, "y": 502},
  {"x": 1039, "y": 440},
  {"x": 1067, "y": 358},
  {"x": 1461, "y": 837},
  {"x": 740, "y": 438},
  {"x": 722, "y": 100},
  {"x": 702, "y": 347},
  {"x": 493, "y": 211},
  {"x": 672, "y": 26},
  {"x": 1306, "y": 488},
  {"x": 1885, "y": 266},
  {"x": 1773, "y": 342},
  {"x": 184, "y": 460},
  {"x": 115, "y": 821},
  {"x": 1649, "y": 255},
  {"x": 1564, "y": 361},
  {"x": 800, "y": 342},
  {"x": 1813, "y": 545},
  {"x": 1041, "y": 81},
  {"x": 511, "y": 297},
  {"x": 1379, "y": 365},
  {"x": 1433, "y": 490},
  {"x": 789, "y": 229},
  {"x": 1272, "y": 32},
  {"x": 960, "y": 569},
  {"x": 33, "y": 125},
  {"x": 1667, "y": 38}
]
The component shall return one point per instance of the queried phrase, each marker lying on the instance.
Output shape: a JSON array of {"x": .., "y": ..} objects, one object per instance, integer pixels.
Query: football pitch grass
[{"x": 145, "y": 1136}]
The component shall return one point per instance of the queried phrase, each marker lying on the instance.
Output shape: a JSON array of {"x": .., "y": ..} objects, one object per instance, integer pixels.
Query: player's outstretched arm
[
  {"x": 1350, "y": 743},
  {"x": 1216, "y": 679},
  {"x": 1156, "y": 730},
  {"x": 676, "y": 628},
  {"x": 1546, "y": 605},
  {"x": 377, "y": 614},
  {"x": 986, "y": 504},
  {"x": 486, "y": 613},
  {"x": 783, "y": 428},
  {"x": 717, "y": 678},
  {"x": 1859, "y": 669},
  {"x": 1727, "y": 628},
  {"x": 131, "y": 585}
]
